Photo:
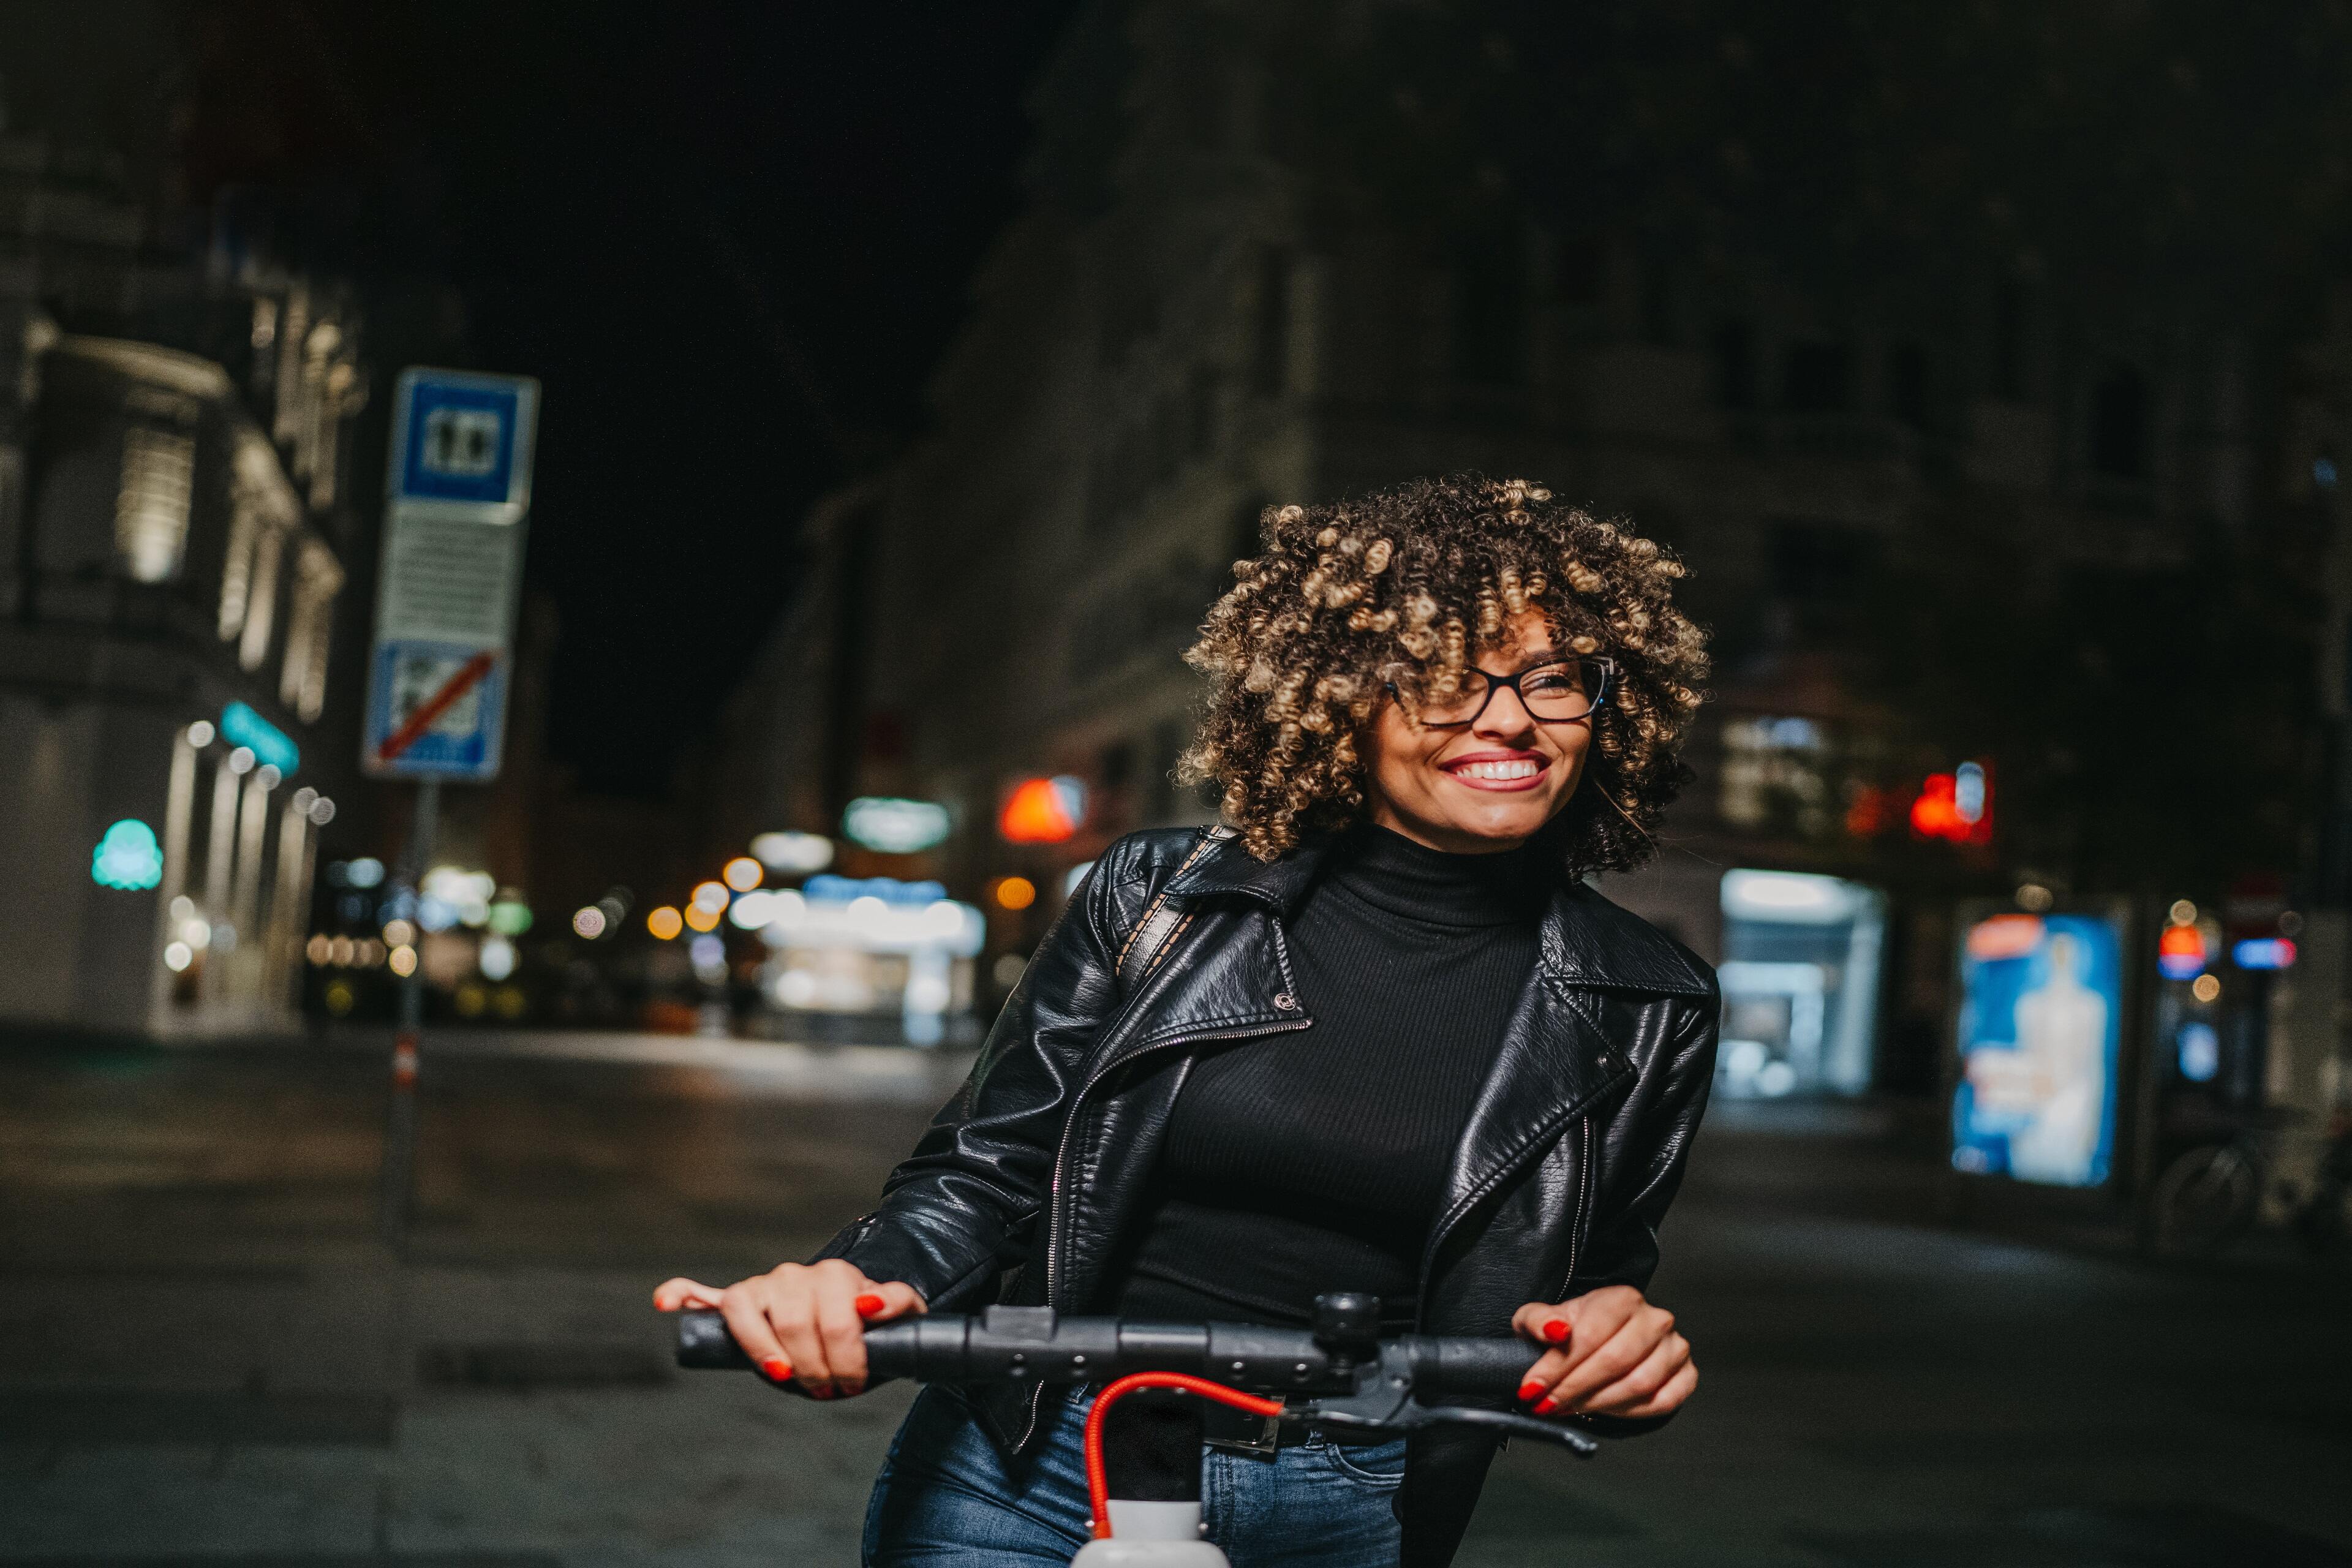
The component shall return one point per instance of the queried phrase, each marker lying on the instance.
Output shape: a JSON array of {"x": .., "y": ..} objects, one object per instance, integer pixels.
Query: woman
[{"x": 1377, "y": 1034}]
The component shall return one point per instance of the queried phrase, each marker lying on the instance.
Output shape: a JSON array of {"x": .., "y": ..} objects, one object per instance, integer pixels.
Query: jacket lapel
[{"x": 1555, "y": 1065}]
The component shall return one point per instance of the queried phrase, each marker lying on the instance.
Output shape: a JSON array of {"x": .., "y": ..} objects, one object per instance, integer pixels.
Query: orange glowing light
[
  {"x": 702, "y": 917},
  {"x": 665, "y": 923},
  {"x": 1042, "y": 811},
  {"x": 1946, "y": 810},
  {"x": 742, "y": 873},
  {"x": 1013, "y": 892}
]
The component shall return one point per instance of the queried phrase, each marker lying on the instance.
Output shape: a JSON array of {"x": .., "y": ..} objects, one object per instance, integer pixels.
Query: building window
[
  {"x": 150, "y": 511},
  {"x": 1204, "y": 399},
  {"x": 302, "y": 685},
  {"x": 1906, "y": 385},
  {"x": 237, "y": 566},
  {"x": 261, "y": 603},
  {"x": 1817, "y": 378},
  {"x": 1578, "y": 269},
  {"x": 1818, "y": 565},
  {"x": 1775, "y": 777},
  {"x": 2119, "y": 424},
  {"x": 1490, "y": 311},
  {"x": 1734, "y": 349},
  {"x": 1270, "y": 368},
  {"x": 2009, "y": 341},
  {"x": 1658, "y": 304}
]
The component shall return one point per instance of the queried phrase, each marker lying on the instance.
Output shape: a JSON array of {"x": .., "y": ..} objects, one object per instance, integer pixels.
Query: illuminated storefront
[
  {"x": 877, "y": 949},
  {"x": 1799, "y": 977}
]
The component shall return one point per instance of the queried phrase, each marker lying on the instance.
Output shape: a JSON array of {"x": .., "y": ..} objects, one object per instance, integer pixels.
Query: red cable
[{"x": 1097, "y": 1483}]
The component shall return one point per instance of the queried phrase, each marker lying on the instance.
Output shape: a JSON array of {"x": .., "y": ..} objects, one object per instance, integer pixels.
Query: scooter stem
[{"x": 1097, "y": 1480}]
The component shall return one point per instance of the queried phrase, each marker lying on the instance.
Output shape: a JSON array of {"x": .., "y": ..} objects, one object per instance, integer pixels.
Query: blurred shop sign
[
  {"x": 451, "y": 574},
  {"x": 1956, "y": 806},
  {"x": 271, "y": 746},
  {"x": 127, "y": 857},
  {"x": 793, "y": 854},
  {"x": 1042, "y": 811},
  {"x": 2039, "y": 1039},
  {"x": 890, "y": 826}
]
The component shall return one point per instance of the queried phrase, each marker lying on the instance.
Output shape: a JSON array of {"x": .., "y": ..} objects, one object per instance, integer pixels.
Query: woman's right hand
[{"x": 802, "y": 1322}]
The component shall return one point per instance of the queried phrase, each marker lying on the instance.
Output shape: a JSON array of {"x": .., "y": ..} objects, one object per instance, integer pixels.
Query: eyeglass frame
[{"x": 1497, "y": 682}]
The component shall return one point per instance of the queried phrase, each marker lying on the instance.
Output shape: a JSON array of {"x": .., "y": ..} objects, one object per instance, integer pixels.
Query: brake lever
[{"x": 1383, "y": 1402}]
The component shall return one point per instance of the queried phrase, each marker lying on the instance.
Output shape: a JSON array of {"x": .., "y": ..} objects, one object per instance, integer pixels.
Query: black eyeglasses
[{"x": 1556, "y": 691}]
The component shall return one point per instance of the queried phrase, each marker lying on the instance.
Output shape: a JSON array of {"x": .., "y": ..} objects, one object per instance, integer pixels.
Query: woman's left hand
[{"x": 1613, "y": 1354}]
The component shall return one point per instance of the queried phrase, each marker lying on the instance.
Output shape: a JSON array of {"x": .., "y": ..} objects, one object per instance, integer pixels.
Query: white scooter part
[{"x": 1152, "y": 1535}]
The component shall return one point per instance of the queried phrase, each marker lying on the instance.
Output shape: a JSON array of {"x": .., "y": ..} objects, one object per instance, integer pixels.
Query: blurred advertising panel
[{"x": 2039, "y": 1030}]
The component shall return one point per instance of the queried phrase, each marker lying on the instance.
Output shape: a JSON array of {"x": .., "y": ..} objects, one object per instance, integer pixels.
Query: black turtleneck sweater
[{"x": 1317, "y": 1160}]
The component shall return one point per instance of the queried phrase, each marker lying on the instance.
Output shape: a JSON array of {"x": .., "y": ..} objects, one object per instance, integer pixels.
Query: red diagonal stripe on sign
[{"x": 420, "y": 718}]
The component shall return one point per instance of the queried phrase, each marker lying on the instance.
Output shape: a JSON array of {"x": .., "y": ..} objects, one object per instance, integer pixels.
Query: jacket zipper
[
  {"x": 1575, "y": 1235},
  {"x": 1583, "y": 1200},
  {"x": 1061, "y": 1157}
]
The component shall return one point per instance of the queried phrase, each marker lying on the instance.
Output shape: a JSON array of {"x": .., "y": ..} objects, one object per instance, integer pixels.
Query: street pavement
[{"x": 206, "y": 1355}]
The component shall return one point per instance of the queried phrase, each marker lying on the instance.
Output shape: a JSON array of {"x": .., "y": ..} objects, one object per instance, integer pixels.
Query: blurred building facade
[
  {"x": 1197, "y": 317},
  {"x": 174, "y": 540}
]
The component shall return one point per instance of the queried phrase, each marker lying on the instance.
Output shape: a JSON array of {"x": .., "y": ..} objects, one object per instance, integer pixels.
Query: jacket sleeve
[
  {"x": 1654, "y": 1149},
  {"x": 964, "y": 1207}
]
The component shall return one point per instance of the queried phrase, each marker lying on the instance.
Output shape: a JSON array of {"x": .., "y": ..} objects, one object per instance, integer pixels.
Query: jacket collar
[{"x": 1586, "y": 940}]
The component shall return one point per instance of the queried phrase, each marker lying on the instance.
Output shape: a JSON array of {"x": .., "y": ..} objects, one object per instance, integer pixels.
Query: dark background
[{"x": 731, "y": 239}]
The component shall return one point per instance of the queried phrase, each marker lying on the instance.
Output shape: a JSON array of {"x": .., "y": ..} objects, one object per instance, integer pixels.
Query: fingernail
[
  {"x": 1548, "y": 1406},
  {"x": 868, "y": 1305},
  {"x": 1556, "y": 1330},
  {"x": 777, "y": 1367},
  {"x": 822, "y": 1390},
  {"x": 1530, "y": 1390}
]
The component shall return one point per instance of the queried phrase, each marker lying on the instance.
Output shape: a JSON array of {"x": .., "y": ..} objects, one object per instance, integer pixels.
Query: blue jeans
[{"x": 946, "y": 1496}]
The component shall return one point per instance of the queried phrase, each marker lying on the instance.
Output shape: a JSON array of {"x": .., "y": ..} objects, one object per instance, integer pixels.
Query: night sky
[{"x": 731, "y": 239}]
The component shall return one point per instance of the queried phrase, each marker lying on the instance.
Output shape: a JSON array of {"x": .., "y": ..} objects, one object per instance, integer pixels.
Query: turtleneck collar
[{"x": 1391, "y": 872}]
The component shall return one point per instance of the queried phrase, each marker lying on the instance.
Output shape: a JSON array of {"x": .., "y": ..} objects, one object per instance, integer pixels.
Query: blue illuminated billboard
[{"x": 2040, "y": 1035}]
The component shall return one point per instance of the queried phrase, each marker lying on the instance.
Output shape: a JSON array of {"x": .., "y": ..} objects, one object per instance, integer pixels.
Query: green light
[
  {"x": 241, "y": 726},
  {"x": 127, "y": 857},
  {"x": 508, "y": 917}
]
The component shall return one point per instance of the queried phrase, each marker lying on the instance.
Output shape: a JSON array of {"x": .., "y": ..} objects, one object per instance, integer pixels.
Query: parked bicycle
[{"x": 2209, "y": 1195}]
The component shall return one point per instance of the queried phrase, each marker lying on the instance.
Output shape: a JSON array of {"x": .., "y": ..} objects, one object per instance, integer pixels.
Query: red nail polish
[
  {"x": 820, "y": 1391},
  {"x": 1530, "y": 1390},
  {"x": 868, "y": 1305},
  {"x": 1548, "y": 1406},
  {"x": 777, "y": 1367},
  {"x": 1556, "y": 1330}
]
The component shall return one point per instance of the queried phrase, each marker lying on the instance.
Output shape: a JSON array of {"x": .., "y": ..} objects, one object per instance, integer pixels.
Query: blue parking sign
[{"x": 464, "y": 439}]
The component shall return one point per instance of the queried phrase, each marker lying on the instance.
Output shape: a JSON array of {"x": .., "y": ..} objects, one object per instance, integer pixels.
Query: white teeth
[{"x": 1520, "y": 769}]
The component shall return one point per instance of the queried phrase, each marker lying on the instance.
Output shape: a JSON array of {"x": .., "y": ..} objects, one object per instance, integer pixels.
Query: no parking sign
[{"x": 452, "y": 573}]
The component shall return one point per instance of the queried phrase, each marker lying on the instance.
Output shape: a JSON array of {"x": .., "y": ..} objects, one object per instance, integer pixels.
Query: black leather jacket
[{"x": 1028, "y": 1180}]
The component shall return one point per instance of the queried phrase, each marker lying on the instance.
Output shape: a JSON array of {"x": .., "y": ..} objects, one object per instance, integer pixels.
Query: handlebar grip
[
  {"x": 1470, "y": 1368},
  {"x": 705, "y": 1344}
]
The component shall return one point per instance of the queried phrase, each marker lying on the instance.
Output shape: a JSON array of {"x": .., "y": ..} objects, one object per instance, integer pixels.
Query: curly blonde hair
[{"x": 1403, "y": 589}]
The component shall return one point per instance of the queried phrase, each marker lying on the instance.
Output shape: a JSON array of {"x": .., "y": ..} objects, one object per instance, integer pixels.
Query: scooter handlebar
[{"x": 1033, "y": 1343}]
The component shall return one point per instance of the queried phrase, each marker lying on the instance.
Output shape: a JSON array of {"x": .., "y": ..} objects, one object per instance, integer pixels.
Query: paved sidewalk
[{"x": 206, "y": 1357}]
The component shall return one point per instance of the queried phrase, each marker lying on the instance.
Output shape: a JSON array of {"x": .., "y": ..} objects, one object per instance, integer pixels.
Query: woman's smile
[{"x": 1493, "y": 768}]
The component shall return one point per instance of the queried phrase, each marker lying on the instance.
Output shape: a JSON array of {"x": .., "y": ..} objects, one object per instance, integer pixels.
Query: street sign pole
[
  {"x": 457, "y": 503},
  {"x": 399, "y": 1185}
]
